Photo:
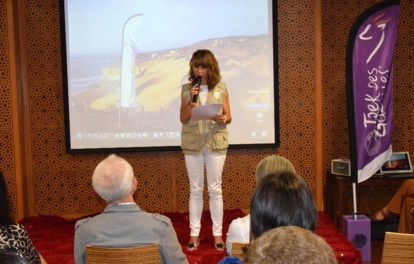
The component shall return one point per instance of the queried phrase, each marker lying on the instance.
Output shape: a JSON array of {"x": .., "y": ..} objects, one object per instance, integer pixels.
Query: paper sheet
[{"x": 205, "y": 112}]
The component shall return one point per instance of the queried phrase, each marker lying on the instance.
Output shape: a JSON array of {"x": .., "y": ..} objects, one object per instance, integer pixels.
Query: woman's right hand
[{"x": 193, "y": 91}]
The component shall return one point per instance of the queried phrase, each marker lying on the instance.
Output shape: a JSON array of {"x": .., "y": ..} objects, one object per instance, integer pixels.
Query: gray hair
[{"x": 113, "y": 178}]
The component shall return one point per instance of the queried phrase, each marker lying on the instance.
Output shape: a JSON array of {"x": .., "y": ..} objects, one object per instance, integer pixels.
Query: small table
[{"x": 337, "y": 187}]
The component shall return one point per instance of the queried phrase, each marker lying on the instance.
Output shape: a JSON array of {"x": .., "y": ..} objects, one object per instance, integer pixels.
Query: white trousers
[{"x": 195, "y": 168}]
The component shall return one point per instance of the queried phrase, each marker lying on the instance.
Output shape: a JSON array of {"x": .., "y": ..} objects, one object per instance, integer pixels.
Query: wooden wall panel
[
  {"x": 61, "y": 181},
  {"x": 337, "y": 20},
  {"x": 7, "y": 164}
]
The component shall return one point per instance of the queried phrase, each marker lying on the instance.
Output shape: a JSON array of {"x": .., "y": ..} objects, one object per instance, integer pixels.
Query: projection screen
[{"x": 124, "y": 62}]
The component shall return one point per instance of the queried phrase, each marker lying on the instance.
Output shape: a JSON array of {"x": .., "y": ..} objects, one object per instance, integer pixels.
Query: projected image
[{"x": 126, "y": 62}]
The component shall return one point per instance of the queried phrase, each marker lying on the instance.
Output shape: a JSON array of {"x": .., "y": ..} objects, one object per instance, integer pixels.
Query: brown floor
[{"x": 376, "y": 252}]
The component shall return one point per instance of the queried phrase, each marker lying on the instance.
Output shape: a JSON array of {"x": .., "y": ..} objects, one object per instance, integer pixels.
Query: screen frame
[
  {"x": 407, "y": 159},
  {"x": 65, "y": 85}
]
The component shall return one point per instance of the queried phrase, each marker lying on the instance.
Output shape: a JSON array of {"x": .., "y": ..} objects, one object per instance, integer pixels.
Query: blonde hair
[
  {"x": 273, "y": 164},
  {"x": 289, "y": 244}
]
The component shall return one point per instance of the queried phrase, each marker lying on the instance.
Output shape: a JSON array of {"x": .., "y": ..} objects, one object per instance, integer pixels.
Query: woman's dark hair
[
  {"x": 282, "y": 199},
  {"x": 205, "y": 58},
  {"x": 5, "y": 212}
]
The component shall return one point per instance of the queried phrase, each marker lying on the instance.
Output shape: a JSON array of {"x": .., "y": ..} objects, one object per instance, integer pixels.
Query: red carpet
[{"x": 53, "y": 237}]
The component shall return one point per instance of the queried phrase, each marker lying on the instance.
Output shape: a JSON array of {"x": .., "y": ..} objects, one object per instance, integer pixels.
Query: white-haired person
[
  {"x": 239, "y": 229},
  {"x": 123, "y": 223}
]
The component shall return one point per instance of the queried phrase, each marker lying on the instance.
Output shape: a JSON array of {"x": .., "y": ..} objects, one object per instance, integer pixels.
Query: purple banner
[{"x": 372, "y": 75}]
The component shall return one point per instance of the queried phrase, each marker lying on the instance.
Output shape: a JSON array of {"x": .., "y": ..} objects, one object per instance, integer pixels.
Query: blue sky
[{"x": 95, "y": 26}]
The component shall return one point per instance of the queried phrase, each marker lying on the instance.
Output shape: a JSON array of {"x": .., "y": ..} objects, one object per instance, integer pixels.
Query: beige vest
[{"x": 197, "y": 134}]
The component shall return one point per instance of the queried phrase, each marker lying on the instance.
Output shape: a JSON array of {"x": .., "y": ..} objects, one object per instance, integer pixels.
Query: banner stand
[{"x": 358, "y": 230}]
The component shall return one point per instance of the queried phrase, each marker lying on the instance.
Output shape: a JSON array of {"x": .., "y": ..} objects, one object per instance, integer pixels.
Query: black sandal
[
  {"x": 193, "y": 246},
  {"x": 219, "y": 246}
]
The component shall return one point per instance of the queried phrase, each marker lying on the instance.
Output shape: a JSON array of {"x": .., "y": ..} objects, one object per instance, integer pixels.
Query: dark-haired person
[
  {"x": 13, "y": 236},
  {"x": 402, "y": 203},
  {"x": 239, "y": 229},
  {"x": 282, "y": 199},
  {"x": 289, "y": 244},
  {"x": 204, "y": 143},
  {"x": 123, "y": 223}
]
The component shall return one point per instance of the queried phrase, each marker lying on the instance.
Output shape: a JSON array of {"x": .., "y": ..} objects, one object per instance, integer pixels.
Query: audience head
[
  {"x": 5, "y": 211},
  {"x": 282, "y": 199},
  {"x": 289, "y": 244},
  {"x": 273, "y": 164},
  {"x": 113, "y": 179}
]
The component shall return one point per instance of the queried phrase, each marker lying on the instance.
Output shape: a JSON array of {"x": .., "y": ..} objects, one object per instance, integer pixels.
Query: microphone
[{"x": 198, "y": 83}]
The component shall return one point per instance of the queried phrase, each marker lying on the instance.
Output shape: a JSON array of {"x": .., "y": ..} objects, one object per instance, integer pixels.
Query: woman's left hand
[{"x": 219, "y": 118}]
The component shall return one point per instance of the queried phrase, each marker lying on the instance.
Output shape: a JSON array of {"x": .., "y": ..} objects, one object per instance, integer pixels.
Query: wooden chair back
[
  {"x": 412, "y": 212},
  {"x": 140, "y": 254},
  {"x": 412, "y": 217},
  {"x": 398, "y": 248},
  {"x": 237, "y": 249}
]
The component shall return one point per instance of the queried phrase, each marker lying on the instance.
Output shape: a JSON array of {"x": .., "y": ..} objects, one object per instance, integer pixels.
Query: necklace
[{"x": 128, "y": 203}]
